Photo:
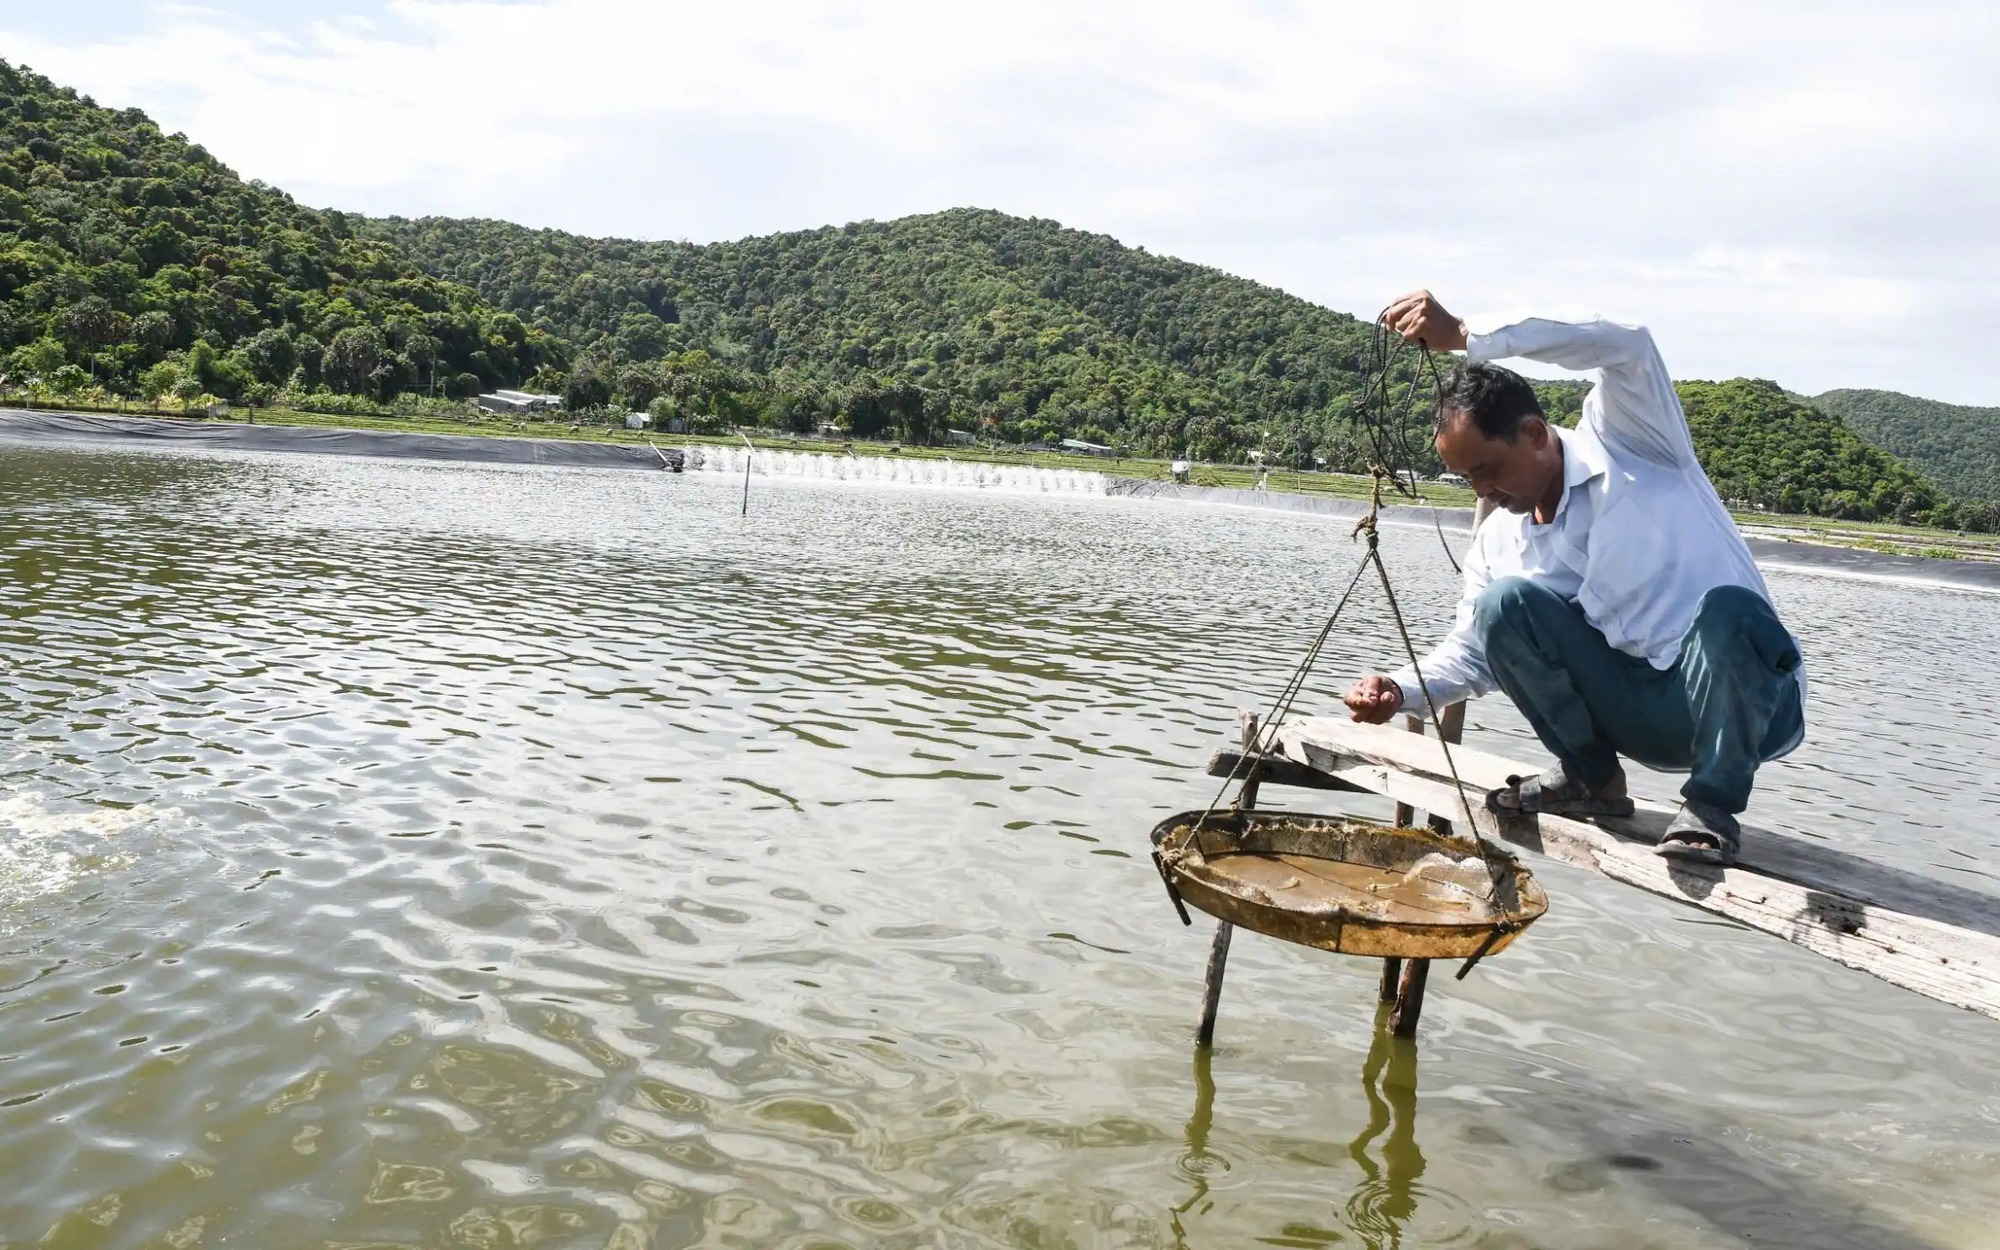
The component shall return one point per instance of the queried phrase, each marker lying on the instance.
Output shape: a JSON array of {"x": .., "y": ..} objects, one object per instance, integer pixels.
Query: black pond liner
[
  {"x": 1774, "y": 553},
  {"x": 140, "y": 432},
  {"x": 19, "y": 425}
]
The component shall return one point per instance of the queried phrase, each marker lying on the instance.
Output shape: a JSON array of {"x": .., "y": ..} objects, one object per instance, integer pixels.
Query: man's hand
[
  {"x": 1374, "y": 700},
  {"x": 1419, "y": 318}
]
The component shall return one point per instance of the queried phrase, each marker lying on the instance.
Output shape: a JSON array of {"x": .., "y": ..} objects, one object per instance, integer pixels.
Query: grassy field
[{"x": 1866, "y": 535}]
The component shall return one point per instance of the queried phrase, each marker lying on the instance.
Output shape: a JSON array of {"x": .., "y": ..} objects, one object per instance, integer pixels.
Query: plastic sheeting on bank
[
  {"x": 74, "y": 427},
  {"x": 1775, "y": 553},
  {"x": 1354, "y": 509},
  {"x": 18, "y": 425}
]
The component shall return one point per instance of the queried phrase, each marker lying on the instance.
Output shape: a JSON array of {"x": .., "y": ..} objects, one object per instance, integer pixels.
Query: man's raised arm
[{"x": 1633, "y": 405}]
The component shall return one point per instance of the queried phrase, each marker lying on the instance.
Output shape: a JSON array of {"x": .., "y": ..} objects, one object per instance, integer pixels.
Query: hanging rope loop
[
  {"x": 1391, "y": 418},
  {"x": 1393, "y": 424}
]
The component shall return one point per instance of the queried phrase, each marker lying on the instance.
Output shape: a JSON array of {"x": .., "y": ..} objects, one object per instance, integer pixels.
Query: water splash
[
  {"x": 819, "y": 466},
  {"x": 45, "y": 848}
]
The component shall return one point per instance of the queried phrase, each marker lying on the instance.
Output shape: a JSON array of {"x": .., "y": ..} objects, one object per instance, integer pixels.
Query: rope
[
  {"x": 1390, "y": 430},
  {"x": 1267, "y": 732},
  {"x": 1387, "y": 419},
  {"x": 1391, "y": 423},
  {"x": 1438, "y": 522},
  {"x": 1495, "y": 861},
  {"x": 1496, "y": 868}
]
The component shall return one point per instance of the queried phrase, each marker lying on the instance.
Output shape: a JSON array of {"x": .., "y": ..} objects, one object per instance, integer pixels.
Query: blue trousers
[{"x": 1730, "y": 702}]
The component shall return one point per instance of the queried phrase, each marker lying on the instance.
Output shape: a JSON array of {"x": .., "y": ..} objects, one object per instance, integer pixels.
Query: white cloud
[{"x": 1788, "y": 194}]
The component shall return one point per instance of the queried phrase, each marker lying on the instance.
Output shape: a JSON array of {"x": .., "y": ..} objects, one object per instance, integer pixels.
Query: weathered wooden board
[
  {"x": 1278, "y": 770},
  {"x": 1939, "y": 939},
  {"x": 1769, "y": 854}
]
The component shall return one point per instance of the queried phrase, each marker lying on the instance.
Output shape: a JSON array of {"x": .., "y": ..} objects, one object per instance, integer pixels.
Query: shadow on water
[
  {"x": 1606, "y": 1137},
  {"x": 1609, "y": 1137}
]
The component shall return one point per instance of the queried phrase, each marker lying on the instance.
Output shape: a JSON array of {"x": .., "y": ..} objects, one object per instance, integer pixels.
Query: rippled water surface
[{"x": 425, "y": 855}]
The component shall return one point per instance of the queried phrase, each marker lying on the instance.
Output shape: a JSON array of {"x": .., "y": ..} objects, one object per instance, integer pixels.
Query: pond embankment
[
  {"x": 1800, "y": 555},
  {"x": 1803, "y": 553}
]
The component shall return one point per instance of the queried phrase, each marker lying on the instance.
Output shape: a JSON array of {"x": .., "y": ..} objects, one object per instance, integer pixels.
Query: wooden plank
[
  {"x": 1798, "y": 860},
  {"x": 1940, "y": 940},
  {"x": 1952, "y": 965},
  {"x": 1277, "y": 770}
]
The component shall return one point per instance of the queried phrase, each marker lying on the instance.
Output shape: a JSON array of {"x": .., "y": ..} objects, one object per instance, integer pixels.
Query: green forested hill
[
  {"x": 135, "y": 261},
  {"x": 1032, "y": 330},
  {"x": 1957, "y": 446},
  {"x": 1763, "y": 447}
]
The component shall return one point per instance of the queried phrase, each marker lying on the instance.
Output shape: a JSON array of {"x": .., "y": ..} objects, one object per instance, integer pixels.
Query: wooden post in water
[
  {"x": 1405, "y": 814},
  {"x": 1211, "y": 988},
  {"x": 1401, "y": 985},
  {"x": 1392, "y": 979},
  {"x": 1218, "y": 951},
  {"x": 749, "y": 454},
  {"x": 1451, "y": 727},
  {"x": 1410, "y": 998},
  {"x": 1246, "y": 736}
]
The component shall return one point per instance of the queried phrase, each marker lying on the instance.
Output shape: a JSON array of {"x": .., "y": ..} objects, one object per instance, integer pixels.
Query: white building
[
  {"x": 518, "y": 402},
  {"x": 1082, "y": 448}
]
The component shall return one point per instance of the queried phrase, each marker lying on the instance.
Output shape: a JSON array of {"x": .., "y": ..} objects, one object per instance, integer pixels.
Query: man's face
[{"x": 1512, "y": 475}]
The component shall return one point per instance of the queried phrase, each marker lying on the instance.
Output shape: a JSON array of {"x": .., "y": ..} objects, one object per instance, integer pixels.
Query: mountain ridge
[
  {"x": 1164, "y": 354},
  {"x": 1957, "y": 445}
]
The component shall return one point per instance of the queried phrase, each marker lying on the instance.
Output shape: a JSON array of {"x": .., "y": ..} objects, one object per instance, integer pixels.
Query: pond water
[{"x": 400, "y": 854}]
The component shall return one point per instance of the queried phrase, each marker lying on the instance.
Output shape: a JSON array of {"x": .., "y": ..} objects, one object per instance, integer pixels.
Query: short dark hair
[{"x": 1495, "y": 399}]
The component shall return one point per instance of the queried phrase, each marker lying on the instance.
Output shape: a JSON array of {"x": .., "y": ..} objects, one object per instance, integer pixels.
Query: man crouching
[{"x": 1610, "y": 594}]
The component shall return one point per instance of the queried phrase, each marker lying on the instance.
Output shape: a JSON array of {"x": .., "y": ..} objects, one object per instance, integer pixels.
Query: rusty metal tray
[{"x": 1348, "y": 886}]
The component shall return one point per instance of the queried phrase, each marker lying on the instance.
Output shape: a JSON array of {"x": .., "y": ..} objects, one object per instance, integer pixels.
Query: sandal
[
  {"x": 1555, "y": 793},
  {"x": 1701, "y": 833}
]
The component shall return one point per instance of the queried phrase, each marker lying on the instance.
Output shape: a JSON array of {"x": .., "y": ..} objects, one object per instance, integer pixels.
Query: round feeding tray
[{"x": 1349, "y": 886}]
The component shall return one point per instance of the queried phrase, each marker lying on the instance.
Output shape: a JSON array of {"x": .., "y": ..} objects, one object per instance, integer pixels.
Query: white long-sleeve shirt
[{"x": 1639, "y": 534}]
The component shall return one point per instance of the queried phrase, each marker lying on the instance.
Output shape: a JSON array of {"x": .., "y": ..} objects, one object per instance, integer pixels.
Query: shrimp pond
[{"x": 431, "y": 855}]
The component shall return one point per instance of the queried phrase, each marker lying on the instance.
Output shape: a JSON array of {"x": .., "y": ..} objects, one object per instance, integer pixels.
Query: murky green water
[{"x": 417, "y": 855}]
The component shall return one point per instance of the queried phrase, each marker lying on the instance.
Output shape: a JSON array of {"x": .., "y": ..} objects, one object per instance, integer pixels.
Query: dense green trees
[
  {"x": 1016, "y": 328},
  {"x": 1021, "y": 329},
  {"x": 1956, "y": 445},
  {"x": 135, "y": 261},
  {"x": 1764, "y": 448}
]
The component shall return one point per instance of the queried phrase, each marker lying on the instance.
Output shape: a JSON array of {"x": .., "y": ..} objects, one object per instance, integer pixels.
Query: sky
[{"x": 1799, "y": 191}]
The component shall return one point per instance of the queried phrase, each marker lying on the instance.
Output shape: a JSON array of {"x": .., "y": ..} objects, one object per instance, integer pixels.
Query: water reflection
[
  {"x": 1386, "y": 1151},
  {"x": 1387, "y": 1196},
  {"x": 1199, "y": 1162}
]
